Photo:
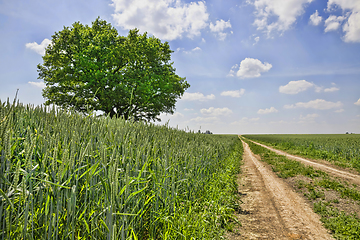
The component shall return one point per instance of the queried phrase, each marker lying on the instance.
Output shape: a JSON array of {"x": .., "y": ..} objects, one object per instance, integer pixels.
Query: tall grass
[{"x": 67, "y": 176}]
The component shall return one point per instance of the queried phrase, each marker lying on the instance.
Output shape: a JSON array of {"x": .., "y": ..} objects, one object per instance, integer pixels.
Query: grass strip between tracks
[
  {"x": 337, "y": 202},
  {"x": 339, "y": 149}
]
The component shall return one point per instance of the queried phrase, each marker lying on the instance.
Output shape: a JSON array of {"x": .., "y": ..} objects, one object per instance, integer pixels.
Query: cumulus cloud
[
  {"x": 166, "y": 19},
  {"x": 232, "y": 72},
  {"x": 236, "y": 93},
  {"x": 333, "y": 22},
  {"x": 216, "y": 111},
  {"x": 196, "y": 49},
  {"x": 283, "y": 12},
  {"x": 318, "y": 88},
  {"x": 309, "y": 117},
  {"x": 256, "y": 39},
  {"x": 177, "y": 115},
  {"x": 352, "y": 28},
  {"x": 319, "y": 104},
  {"x": 197, "y": 97},
  {"x": 39, "y": 48},
  {"x": 40, "y": 84},
  {"x": 267, "y": 110},
  {"x": 351, "y": 9},
  {"x": 357, "y": 102},
  {"x": 332, "y": 89},
  {"x": 315, "y": 19},
  {"x": 250, "y": 68},
  {"x": 294, "y": 87},
  {"x": 219, "y": 27},
  {"x": 204, "y": 119},
  {"x": 339, "y": 110}
]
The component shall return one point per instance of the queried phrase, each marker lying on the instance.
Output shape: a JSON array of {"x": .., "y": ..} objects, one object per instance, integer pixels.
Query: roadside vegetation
[
  {"x": 337, "y": 202},
  {"x": 67, "y": 176},
  {"x": 340, "y": 149}
]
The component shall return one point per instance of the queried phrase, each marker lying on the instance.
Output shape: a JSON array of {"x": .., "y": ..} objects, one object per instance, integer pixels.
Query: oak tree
[{"x": 93, "y": 68}]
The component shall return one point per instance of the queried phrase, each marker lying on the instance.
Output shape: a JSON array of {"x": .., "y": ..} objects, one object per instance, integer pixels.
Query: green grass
[
  {"x": 67, "y": 176},
  {"x": 341, "y": 149},
  {"x": 343, "y": 225}
]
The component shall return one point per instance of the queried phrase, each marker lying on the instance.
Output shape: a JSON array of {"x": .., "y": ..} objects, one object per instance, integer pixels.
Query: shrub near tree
[{"x": 93, "y": 68}]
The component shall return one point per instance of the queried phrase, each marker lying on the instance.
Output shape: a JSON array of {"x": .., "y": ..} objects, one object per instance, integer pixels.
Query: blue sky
[{"x": 254, "y": 66}]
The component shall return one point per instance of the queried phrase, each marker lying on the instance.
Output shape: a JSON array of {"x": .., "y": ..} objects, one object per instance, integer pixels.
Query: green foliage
[
  {"x": 90, "y": 68},
  {"x": 66, "y": 176},
  {"x": 342, "y": 149},
  {"x": 345, "y": 191},
  {"x": 342, "y": 225}
]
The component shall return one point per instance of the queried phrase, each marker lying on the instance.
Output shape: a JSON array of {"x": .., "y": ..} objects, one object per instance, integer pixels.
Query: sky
[{"x": 254, "y": 66}]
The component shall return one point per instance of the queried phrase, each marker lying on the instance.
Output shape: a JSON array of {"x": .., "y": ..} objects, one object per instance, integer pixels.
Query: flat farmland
[{"x": 340, "y": 149}]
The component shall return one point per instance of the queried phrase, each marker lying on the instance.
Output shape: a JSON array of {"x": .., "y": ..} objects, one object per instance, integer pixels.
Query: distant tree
[{"x": 93, "y": 68}]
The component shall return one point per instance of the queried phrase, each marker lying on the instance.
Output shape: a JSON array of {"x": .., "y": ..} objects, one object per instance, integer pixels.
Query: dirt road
[
  {"x": 270, "y": 209},
  {"x": 353, "y": 178}
]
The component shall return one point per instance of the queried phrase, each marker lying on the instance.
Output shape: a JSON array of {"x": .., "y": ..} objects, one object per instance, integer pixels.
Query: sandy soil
[
  {"x": 270, "y": 208},
  {"x": 326, "y": 167}
]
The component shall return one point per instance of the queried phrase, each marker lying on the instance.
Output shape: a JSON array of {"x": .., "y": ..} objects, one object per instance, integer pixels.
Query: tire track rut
[{"x": 271, "y": 209}]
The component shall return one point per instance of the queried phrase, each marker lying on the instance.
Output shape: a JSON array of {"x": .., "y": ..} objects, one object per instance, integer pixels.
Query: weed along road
[
  {"x": 270, "y": 208},
  {"x": 353, "y": 178}
]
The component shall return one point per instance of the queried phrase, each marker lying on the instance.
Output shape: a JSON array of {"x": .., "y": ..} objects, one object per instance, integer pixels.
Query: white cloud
[
  {"x": 39, "y": 48},
  {"x": 357, "y": 102},
  {"x": 294, "y": 87},
  {"x": 177, "y": 115},
  {"x": 318, "y": 89},
  {"x": 315, "y": 19},
  {"x": 204, "y": 119},
  {"x": 219, "y": 27},
  {"x": 232, "y": 72},
  {"x": 250, "y": 68},
  {"x": 216, "y": 111},
  {"x": 196, "y": 49},
  {"x": 351, "y": 9},
  {"x": 40, "y": 84},
  {"x": 309, "y": 117},
  {"x": 188, "y": 109},
  {"x": 332, "y": 89},
  {"x": 166, "y": 19},
  {"x": 320, "y": 104},
  {"x": 289, "y": 106},
  {"x": 285, "y": 13},
  {"x": 197, "y": 97},
  {"x": 267, "y": 110},
  {"x": 254, "y": 119},
  {"x": 333, "y": 22},
  {"x": 236, "y": 93},
  {"x": 339, "y": 110},
  {"x": 256, "y": 39},
  {"x": 352, "y": 28}
]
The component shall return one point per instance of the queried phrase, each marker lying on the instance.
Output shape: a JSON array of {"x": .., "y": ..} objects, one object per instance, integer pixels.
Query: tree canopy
[{"x": 93, "y": 68}]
